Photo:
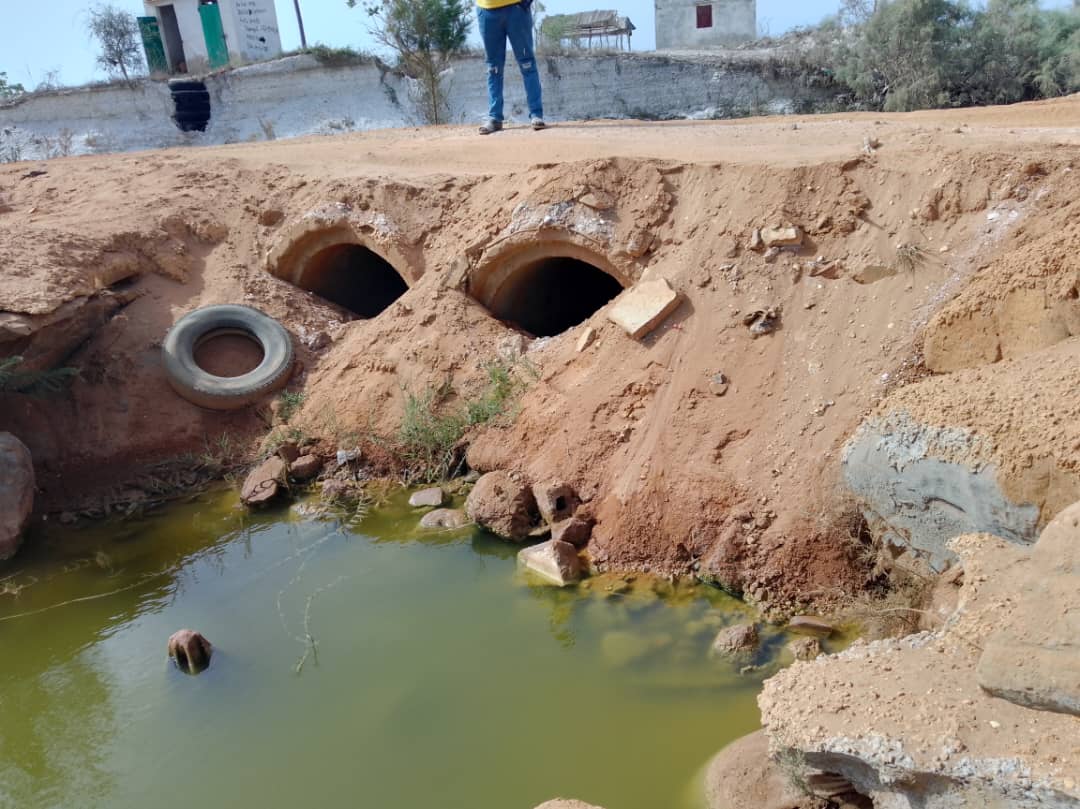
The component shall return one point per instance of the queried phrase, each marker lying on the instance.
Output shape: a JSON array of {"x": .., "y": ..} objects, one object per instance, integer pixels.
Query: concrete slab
[{"x": 643, "y": 307}]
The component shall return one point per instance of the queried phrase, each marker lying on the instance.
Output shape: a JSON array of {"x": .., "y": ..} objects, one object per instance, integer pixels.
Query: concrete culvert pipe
[
  {"x": 549, "y": 295},
  {"x": 353, "y": 277}
]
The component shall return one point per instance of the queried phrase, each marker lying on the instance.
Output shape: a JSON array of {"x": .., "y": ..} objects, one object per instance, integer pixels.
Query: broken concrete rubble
[
  {"x": 644, "y": 306},
  {"x": 575, "y": 530},
  {"x": 555, "y": 561},
  {"x": 305, "y": 467}
]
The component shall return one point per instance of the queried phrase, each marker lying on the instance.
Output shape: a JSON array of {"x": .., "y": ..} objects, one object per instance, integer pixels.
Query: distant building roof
[{"x": 586, "y": 24}]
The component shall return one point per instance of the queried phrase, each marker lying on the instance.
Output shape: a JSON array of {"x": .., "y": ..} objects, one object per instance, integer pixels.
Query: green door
[
  {"x": 151, "y": 41},
  {"x": 216, "y": 49}
]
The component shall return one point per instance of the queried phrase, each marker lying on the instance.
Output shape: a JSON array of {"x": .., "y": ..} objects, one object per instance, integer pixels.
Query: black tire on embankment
[{"x": 225, "y": 392}]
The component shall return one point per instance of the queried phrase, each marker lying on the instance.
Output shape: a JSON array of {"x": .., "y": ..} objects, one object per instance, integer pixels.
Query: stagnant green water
[{"x": 444, "y": 678}]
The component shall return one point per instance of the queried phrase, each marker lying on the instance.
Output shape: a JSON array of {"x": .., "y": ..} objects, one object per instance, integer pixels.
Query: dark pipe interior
[
  {"x": 354, "y": 277},
  {"x": 553, "y": 295}
]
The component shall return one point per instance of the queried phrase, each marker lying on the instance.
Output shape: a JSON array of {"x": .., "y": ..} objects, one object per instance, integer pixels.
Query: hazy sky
[{"x": 36, "y": 39}]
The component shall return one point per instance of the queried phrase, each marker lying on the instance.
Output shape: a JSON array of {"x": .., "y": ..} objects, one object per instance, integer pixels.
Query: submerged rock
[
  {"x": 190, "y": 650},
  {"x": 444, "y": 518},
  {"x": 264, "y": 482},
  {"x": 433, "y": 496},
  {"x": 738, "y": 639},
  {"x": 16, "y": 493},
  {"x": 621, "y": 647},
  {"x": 502, "y": 505},
  {"x": 805, "y": 648},
  {"x": 566, "y": 803},
  {"x": 556, "y": 561}
]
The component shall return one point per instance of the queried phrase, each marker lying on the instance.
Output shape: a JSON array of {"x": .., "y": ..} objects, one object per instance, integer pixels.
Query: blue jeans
[{"x": 496, "y": 26}]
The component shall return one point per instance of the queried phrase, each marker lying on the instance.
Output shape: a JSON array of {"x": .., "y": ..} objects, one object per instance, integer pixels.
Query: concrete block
[
  {"x": 643, "y": 307},
  {"x": 427, "y": 497}
]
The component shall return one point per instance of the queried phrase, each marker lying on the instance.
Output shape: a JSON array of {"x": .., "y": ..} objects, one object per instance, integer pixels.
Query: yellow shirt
[{"x": 490, "y": 4}]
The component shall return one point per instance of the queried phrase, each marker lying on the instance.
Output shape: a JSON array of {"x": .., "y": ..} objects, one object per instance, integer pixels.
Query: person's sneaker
[
  {"x": 490, "y": 126},
  {"x": 537, "y": 123}
]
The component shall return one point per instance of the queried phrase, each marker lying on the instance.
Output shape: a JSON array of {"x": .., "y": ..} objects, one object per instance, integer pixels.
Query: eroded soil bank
[{"x": 917, "y": 274}]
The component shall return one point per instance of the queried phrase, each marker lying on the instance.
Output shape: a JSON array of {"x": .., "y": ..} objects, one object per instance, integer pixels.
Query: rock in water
[
  {"x": 448, "y": 518},
  {"x": 427, "y": 497},
  {"x": 264, "y": 482},
  {"x": 738, "y": 639},
  {"x": 502, "y": 505},
  {"x": 190, "y": 650},
  {"x": 16, "y": 493},
  {"x": 553, "y": 560},
  {"x": 305, "y": 467}
]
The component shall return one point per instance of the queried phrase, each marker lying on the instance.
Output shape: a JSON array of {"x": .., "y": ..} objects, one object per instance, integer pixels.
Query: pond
[{"x": 440, "y": 675}]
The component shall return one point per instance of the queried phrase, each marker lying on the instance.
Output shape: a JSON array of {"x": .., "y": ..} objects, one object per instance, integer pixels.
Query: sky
[{"x": 34, "y": 43}]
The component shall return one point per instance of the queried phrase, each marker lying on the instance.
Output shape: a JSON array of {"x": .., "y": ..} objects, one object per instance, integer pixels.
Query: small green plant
[
  {"x": 908, "y": 257},
  {"x": 290, "y": 401},
  {"x": 9, "y": 90},
  {"x": 34, "y": 383},
  {"x": 340, "y": 57},
  {"x": 281, "y": 435}
]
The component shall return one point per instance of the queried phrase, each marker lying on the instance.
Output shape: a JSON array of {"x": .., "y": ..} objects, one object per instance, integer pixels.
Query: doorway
[{"x": 174, "y": 45}]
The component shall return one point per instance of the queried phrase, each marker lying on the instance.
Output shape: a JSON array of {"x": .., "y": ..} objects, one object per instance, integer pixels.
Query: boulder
[
  {"x": 1035, "y": 662},
  {"x": 305, "y": 467},
  {"x": 741, "y": 776},
  {"x": 738, "y": 639},
  {"x": 264, "y": 482},
  {"x": 432, "y": 497},
  {"x": 190, "y": 650},
  {"x": 644, "y": 306},
  {"x": 556, "y": 500},
  {"x": 502, "y": 505},
  {"x": 449, "y": 518},
  {"x": 555, "y": 561},
  {"x": 288, "y": 451},
  {"x": 16, "y": 493},
  {"x": 810, "y": 625},
  {"x": 575, "y": 530}
]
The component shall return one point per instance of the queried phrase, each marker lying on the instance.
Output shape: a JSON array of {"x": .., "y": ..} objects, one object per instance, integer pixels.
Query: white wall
[
  {"x": 254, "y": 34},
  {"x": 298, "y": 96},
  {"x": 191, "y": 33},
  {"x": 676, "y": 23}
]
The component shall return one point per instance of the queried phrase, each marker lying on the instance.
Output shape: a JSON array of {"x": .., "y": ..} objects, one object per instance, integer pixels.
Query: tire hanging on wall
[{"x": 222, "y": 392}]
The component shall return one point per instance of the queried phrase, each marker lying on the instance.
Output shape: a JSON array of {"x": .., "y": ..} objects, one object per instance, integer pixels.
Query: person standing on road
[{"x": 501, "y": 20}]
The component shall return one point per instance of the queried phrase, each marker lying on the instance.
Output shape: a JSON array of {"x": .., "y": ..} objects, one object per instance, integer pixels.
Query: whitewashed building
[
  {"x": 200, "y": 35},
  {"x": 692, "y": 24}
]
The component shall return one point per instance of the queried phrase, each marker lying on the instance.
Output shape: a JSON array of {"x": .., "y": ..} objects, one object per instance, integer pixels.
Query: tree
[
  {"x": 9, "y": 90},
  {"x": 424, "y": 34},
  {"x": 117, "y": 35}
]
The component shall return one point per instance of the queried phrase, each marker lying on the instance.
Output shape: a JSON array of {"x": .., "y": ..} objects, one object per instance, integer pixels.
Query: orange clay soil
[{"x": 933, "y": 218}]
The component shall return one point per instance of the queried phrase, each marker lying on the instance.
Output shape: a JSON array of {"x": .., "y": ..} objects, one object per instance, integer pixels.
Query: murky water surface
[{"x": 444, "y": 678}]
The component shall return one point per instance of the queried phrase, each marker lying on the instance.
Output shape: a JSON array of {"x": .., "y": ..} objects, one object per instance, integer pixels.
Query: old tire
[{"x": 226, "y": 392}]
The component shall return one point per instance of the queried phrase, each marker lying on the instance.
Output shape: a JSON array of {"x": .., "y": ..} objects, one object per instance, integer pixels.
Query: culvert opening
[
  {"x": 355, "y": 278},
  {"x": 554, "y": 294}
]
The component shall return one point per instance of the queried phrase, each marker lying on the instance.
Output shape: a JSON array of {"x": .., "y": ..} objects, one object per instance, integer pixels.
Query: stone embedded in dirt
[
  {"x": 805, "y": 648},
  {"x": 762, "y": 321},
  {"x": 305, "y": 467},
  {"x": 644, "y": 306},
  {"x": 556, "y": 500},
  {"x": 566, "y": 803},
  {"x": 574, "y": 530},
  {"x": 264, "y": 482},
  {"x": 502, "y": 505},
  {"x": 810, "y": 625},
  {"x": 586, "y": 339},
  {"x": 190, "y": 650},
  {"x": 718, "y": 384},
  {"x": 556, "y": 561},
  {"x": 791, "y": 236},
  {"x": 736, "y": 639},
  {"x": 512, "y": 347},
  {"x": 16, "y": 493},
  {"x": 756, "y": 242},
  {"x": 449, "y": 518},
  {"x": 431, "y": 497}
]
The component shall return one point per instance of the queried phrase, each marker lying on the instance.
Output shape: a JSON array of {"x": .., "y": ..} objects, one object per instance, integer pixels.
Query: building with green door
[{"x": 202, "y": 35}]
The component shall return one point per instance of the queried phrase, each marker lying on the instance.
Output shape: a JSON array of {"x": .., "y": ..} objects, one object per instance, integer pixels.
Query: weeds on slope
[{"x": 34, "y": 383}]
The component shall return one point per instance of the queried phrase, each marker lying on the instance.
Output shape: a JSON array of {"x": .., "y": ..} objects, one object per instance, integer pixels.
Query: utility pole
[{"x": 300, "y": 22}]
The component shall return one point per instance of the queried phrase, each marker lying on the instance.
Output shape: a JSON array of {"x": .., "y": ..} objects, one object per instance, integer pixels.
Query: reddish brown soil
[{"x": 741, "y": 484}]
